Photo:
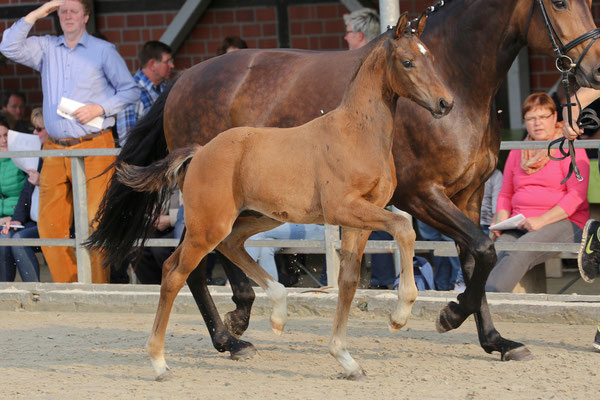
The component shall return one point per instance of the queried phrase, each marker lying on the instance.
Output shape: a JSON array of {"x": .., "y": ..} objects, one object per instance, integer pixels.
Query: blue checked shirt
[
  {"x": 92, "y": 72},
  {"x": 127, "y": 118}
]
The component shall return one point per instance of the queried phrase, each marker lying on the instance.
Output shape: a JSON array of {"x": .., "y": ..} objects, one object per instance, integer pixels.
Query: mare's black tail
[{"x": 125, "y": 214}]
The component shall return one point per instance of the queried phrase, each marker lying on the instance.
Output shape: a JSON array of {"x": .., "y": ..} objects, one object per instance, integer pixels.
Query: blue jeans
[
  {"x": 22, "y": 258},
  {"x": 265, "y": 256},
  {"x": 447, "y": 269}
]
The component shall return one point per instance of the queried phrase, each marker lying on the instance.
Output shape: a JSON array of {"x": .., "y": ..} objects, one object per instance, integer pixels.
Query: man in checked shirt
[
  {"x": 156, "y": 63},
  {"x": 79, "y": 67}
]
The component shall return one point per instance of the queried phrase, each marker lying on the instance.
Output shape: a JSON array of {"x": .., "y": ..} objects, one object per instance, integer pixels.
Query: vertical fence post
[
  {"x": 82, "y": 230},
  {"x": 332, "y": 256}
]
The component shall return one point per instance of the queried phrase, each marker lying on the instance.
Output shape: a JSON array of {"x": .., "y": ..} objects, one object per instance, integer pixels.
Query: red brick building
[{"x": 304, "y": 24}]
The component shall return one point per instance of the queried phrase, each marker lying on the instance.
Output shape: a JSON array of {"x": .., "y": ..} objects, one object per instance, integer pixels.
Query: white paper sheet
[
  {"x": 68, "y": 107},
  {"x": 18, "y": 141},
  {"x": 511, "y": 223}
]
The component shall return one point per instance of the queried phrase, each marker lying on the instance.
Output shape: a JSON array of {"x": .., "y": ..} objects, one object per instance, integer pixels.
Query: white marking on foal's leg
[
  {"x": 337, "y": 348},
  {"x": 159, "y": 364},
  {"x": 278, "y": 296},
  {"x": 407, "y": 294}
]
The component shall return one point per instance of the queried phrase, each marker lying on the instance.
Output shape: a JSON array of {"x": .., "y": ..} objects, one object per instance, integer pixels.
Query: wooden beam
[{"x": 184, "y": 22}]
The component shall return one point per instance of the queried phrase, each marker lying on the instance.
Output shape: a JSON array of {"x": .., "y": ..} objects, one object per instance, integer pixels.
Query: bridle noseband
[{"x": 566, "y": 66}]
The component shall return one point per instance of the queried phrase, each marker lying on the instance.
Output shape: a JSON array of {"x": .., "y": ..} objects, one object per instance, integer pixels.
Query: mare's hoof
[
  {"x": 165, "y": 376},
  {"x": 449, "y": 318},
  {"x": 521, "y": 353},
  {"x": 234, "y": 326},
  {"x": 394, "y": 326},
  {"x": 244, "y": 353},
  {"x": 354, "y": 376}
]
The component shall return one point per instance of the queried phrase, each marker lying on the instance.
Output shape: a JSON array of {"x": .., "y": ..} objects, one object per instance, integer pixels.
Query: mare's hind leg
[
  {"x": 233, "y": 248},
  {"x": 237, "y": 320},
  {"x": 221, "y": 336},
  {"x": 353, "y": 245}
]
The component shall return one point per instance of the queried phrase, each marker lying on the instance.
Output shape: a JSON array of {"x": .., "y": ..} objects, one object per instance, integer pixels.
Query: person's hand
[
  {"x": 571, "y": 132},
  {"x": 533, "y": 223},
  {"x": 34, "y": 177},
  {"x": 88, "y": 112},
  {"x": 500, "y": 216},
  {"x": 4, "y": 221},
  {"x": 163, "y": 222},
  {"x": 43, "y": 11},
  {"x": 6, "y": 227}
]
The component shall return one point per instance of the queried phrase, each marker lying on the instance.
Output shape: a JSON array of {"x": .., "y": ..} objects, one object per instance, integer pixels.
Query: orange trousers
[{"x": 56, "y": 206}]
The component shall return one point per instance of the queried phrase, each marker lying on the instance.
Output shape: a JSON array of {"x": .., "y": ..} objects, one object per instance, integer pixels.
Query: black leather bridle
[{"x": 566, "y": 66}]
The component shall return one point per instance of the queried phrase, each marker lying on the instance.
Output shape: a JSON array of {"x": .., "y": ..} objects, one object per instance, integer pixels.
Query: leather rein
[{"x": 565, "y": 65}]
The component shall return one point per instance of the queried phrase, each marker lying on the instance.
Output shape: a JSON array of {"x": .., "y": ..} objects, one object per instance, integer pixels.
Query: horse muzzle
[{"x": 443, "y": 108}]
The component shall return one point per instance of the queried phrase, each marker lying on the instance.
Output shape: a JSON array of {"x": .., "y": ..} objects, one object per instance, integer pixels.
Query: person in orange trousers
[{"x": 74, "y": 67}]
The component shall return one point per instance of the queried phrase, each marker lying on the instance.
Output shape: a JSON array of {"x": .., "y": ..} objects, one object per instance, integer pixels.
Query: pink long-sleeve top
[{"x": 533, "y": 195}]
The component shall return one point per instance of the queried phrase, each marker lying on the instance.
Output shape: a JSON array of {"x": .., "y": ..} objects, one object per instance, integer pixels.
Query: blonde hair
[{"x": 37, "y": 116}]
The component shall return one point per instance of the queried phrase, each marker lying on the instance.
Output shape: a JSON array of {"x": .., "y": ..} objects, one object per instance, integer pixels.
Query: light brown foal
[{"x": 337, "y": 169}]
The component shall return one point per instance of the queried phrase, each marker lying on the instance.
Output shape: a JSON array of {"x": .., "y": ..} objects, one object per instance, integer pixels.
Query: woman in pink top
[{"x": 531, "y": 186}]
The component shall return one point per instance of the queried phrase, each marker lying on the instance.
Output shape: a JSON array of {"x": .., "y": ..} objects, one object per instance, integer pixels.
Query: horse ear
[
  {"x": 421, "y": 23},
  {"x": 401, "y": 25}
]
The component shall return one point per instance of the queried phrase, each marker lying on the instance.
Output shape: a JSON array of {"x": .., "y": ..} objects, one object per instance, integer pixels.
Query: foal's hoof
[
  {"x": 449, "y": 318},
  {"x": 277, "y": 327},
  {"x": 394, "y": 326},
  {"x": 519, "y": 354},
  {"x": 243, "y": 353},
  {"x": 354, "y": 376},
  {"x": 165, "y": 376}
]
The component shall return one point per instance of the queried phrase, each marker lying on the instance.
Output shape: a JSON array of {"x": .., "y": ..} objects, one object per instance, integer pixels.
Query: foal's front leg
[
  {"x": 361, "y": 214},
  {"x": 353, "y": 245}
]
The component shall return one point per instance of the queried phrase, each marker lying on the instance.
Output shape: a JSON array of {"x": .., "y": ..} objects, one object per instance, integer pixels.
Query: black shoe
[
  {"x": 588, "y": 257},
  {"x": 596, "y": 343}
]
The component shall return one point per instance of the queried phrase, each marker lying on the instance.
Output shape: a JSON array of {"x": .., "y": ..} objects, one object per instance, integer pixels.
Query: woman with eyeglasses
[
  {"x": 23, "y": 223},
  {"x": 531, "y": 186}
]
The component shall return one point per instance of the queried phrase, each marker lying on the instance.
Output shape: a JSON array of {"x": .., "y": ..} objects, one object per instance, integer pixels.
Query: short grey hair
[{"x": 365, "y": 20}]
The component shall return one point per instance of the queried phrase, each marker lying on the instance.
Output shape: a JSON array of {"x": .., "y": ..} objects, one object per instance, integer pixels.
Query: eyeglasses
[
  {"x": 541, "y": 118},
  {"x": 170, "y": 61}
]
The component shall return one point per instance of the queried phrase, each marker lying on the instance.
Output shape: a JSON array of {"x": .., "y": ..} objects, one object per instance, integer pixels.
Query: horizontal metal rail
[{"x": 326, "y": 246}]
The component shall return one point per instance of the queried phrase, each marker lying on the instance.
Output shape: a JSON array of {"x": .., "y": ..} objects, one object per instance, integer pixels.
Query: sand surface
[{"x": 53, "y": 355}]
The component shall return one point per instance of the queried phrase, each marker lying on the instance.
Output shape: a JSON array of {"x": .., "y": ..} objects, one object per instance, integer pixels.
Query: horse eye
[
  {"x": 407, "y": 64},
  {"x": 559, "y": 3}
]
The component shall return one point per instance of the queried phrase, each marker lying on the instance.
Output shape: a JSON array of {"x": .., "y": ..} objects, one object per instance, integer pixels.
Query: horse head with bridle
[{"x": 441, "y": 164}]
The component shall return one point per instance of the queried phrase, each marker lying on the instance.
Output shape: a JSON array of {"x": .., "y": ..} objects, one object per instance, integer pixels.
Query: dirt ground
[{"x": 94, "y": 355}]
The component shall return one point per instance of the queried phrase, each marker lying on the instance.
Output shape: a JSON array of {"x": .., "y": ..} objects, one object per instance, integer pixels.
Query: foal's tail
[
  {"x": 125, "y": 215},
  {"x": 159, "y": 176}
]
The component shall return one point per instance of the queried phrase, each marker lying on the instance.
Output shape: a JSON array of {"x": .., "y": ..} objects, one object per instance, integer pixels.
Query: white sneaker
[{"x": 459, "y": 287}]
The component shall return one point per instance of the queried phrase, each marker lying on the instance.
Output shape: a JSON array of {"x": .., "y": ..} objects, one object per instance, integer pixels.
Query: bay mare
[
  {"x": 337, "y": 169},
  {"x": 441, "y": 165}
]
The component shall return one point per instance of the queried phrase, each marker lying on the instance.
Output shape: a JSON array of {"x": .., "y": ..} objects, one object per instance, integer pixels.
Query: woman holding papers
[
  {"x": 531, "y": 186},
  {"x": 11, "y": 183}
]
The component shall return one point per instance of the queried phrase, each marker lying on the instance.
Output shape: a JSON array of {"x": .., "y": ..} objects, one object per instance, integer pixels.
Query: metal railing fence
[{"x": 330, "y": 246}]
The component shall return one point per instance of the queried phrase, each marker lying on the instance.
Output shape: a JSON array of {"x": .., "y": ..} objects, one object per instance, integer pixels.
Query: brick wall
[{"x": 314, "y": 25}]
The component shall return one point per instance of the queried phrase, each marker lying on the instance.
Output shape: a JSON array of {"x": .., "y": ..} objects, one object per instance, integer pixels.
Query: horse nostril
[{"x": 445, "y": 106}]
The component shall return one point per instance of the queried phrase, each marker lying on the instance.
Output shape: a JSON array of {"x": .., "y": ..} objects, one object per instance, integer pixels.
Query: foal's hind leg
[
  {"x": 176, "y": 269},
  {"x": 353, "y": 245},
  {"x": 233, "y": 248}
]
